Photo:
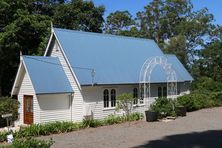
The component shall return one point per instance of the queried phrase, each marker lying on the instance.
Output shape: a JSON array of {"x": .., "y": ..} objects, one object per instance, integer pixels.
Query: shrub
[
  {"x": 61, "y": 127},
  {"x": 216, "y": 98},
  {"x": 3, "y": 136},
  {"x": 134, "y": 116},
  {"x": 8, "y": 105},
  {"x": 206, "y": 84},
  {"x": 195, "y": 101},
  {"x": 31, "y": 143},
  {"x": 164, "y": 107},
  {"x": 91, "y": 123},
  {"x": 125, "y": 102}
]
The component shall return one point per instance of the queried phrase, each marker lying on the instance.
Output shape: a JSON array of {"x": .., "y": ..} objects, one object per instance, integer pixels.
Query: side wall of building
[
  {"x": 26, "y": 88},
  {"x": 77, "y": 104},
  {"x": 54, "y": 107},
  {"x": 94, "y": 104}
]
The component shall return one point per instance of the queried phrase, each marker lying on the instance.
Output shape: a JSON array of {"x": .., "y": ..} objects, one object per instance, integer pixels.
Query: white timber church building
[{"x": 82, "y": 73}]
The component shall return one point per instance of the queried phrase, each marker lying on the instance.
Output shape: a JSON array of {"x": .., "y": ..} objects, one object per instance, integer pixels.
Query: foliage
[
  {"x": 166, "y": 20},
  {"x": 62, "y": 127},
  {"x": 3, "y": 136},
  {"x": 209, "y": 64},
  {"x": 8, "y": 105},
  {"x": 118, "y": 21},
  {"x": 195, "y": 101},
  {"x": 31, "y": 143},
  {"x": 91, "y": 123},
  {"x": 125, "y": 102},
  {"x": 207, "y": 84},
  {"x": 47, "y": 129},
  {"x": 25, "y": 26},
  {"x": 164, "y": 107},
  {"x": 79, "y": 15}
]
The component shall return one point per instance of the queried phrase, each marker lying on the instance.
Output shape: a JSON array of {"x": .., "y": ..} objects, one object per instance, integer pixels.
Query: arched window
[
  {"x": 164, "y": 91},
  {"x": 135, "y": 95},
  {"x": 113, "y": 98},
  {"x": 159, "y": 92},
  {"x": 106, "y": 98}
]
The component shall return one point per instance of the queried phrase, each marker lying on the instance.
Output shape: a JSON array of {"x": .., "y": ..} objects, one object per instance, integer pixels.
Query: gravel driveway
[{"x": 198, "y": 129}]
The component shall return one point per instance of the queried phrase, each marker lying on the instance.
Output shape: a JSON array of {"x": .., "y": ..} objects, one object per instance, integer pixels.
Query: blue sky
[{"x": 133, "y": 6}]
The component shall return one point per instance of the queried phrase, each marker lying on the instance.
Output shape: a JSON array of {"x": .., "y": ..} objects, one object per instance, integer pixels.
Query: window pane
[
  {"x": 164, "y": 91},
  {"x": 135, "y": 95},
  {"x": 31, "y": 105},
  {"x": 159, "y": 92},
  {"x": 141, "y": 95},
  {"x": 27, "y": 104},
  {"x": 106, "y": 98},
  {"x": 113, "y": 97}
]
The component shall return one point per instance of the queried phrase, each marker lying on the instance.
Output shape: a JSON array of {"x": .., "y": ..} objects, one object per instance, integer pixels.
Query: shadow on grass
[{"x": 207, "y": 139}]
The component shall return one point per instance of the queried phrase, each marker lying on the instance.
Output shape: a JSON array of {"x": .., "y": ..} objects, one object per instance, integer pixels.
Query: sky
[{"x": 133, "y": 6}]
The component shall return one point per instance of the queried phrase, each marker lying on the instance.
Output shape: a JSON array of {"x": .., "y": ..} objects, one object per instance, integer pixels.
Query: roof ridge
[
  {"x": 27, "y": 56},
  {"x": 103, "y": 34}
]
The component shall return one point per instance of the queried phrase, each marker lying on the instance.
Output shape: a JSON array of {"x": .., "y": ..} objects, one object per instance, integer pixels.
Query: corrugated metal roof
[
  {"x": 115, "y": 59},
  {"x": 47, "y": 75},
  {"x": 182, "y": 73}
]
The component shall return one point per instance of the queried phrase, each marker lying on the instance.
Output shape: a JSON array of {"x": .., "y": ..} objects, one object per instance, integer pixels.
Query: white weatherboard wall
[
  {"x": 54, "y": 107},
  {"x": 26, "y": 88},
  {"x": 93, "y": 98},
  {"x": 77, "y": 112}
]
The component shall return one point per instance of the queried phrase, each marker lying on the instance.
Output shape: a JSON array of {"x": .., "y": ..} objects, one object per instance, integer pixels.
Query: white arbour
[{"x": 145, "y": 76}]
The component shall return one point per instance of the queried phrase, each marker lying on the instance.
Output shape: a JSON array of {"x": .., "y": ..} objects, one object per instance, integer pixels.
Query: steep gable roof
[
  {"x": 47, "y": 75},
  {"x": 115, "y": 59}
]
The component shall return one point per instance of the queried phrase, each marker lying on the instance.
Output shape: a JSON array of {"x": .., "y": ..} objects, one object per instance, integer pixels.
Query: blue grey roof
[
  {"x": 182, "y": 73},
  {"x": 47, "y": 75},
  {"x": 115, "y": 59}
]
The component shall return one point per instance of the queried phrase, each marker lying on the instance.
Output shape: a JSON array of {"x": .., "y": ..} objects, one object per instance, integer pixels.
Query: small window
[
  {"x": 31, "y": 105},
  {"x": 159, "y": 92},
  {"x": 164, "y": 91},
  {"x": 106, "y": 98},
  {"x": 27, "y": 104},
  {"x": 113, "y": 98},
  {"x": 135, "y": 95}
]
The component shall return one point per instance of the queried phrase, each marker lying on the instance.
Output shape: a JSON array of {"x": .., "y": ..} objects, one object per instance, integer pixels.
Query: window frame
[
  {"x": 162, "y": 92},
  {"x": 135, "y": 96},
  {"x": 113, "y": 97},
  {"x": 106, "y": 98}
]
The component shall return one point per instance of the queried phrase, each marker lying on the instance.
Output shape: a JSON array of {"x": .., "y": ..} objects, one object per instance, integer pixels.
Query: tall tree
[
  {"x": 118, "y": 21},
  {"x": 24, "y": 34},
  {"x": 79, "y": 15},
  {"x": 25, "y": 26},
  {"x": 164, "y": 20}
]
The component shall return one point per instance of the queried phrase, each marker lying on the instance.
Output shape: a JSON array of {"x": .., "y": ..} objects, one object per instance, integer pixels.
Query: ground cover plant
[{"x": 35, "y": 130}]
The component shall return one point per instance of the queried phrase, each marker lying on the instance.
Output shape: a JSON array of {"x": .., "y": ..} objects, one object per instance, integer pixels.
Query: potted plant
[
  {"x": 180, "y": 109},
  {"x": 151, "y": 115}
]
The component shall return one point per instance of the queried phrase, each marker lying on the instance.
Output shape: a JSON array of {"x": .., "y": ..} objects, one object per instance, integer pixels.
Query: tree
[
  {"x": 118, "y": 21},
  {"x": 164, "y": 20},
  {"x": 177, "y": 45},
  {"x": 125, "y": 102},
  {"x": 79, "y": 15},
  {"x": 27, "y": 34},
  {"x": 210, "y": 64},
  {"x": 25, "y": 26}
]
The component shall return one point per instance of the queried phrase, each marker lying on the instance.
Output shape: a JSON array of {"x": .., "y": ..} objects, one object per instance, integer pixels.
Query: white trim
[
  {"x": 109, "y": 108},
  {"x": 16, "y": 78},
  {"x": 67, "y": 61},
  {"x": 49, "y": 42},
  {"x": 29, "y": 78},
  {"x": 17, "y": 75}
]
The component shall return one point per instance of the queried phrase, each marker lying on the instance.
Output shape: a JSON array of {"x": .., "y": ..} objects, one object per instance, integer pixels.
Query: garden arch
[{"x": 145, "y": 76}]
